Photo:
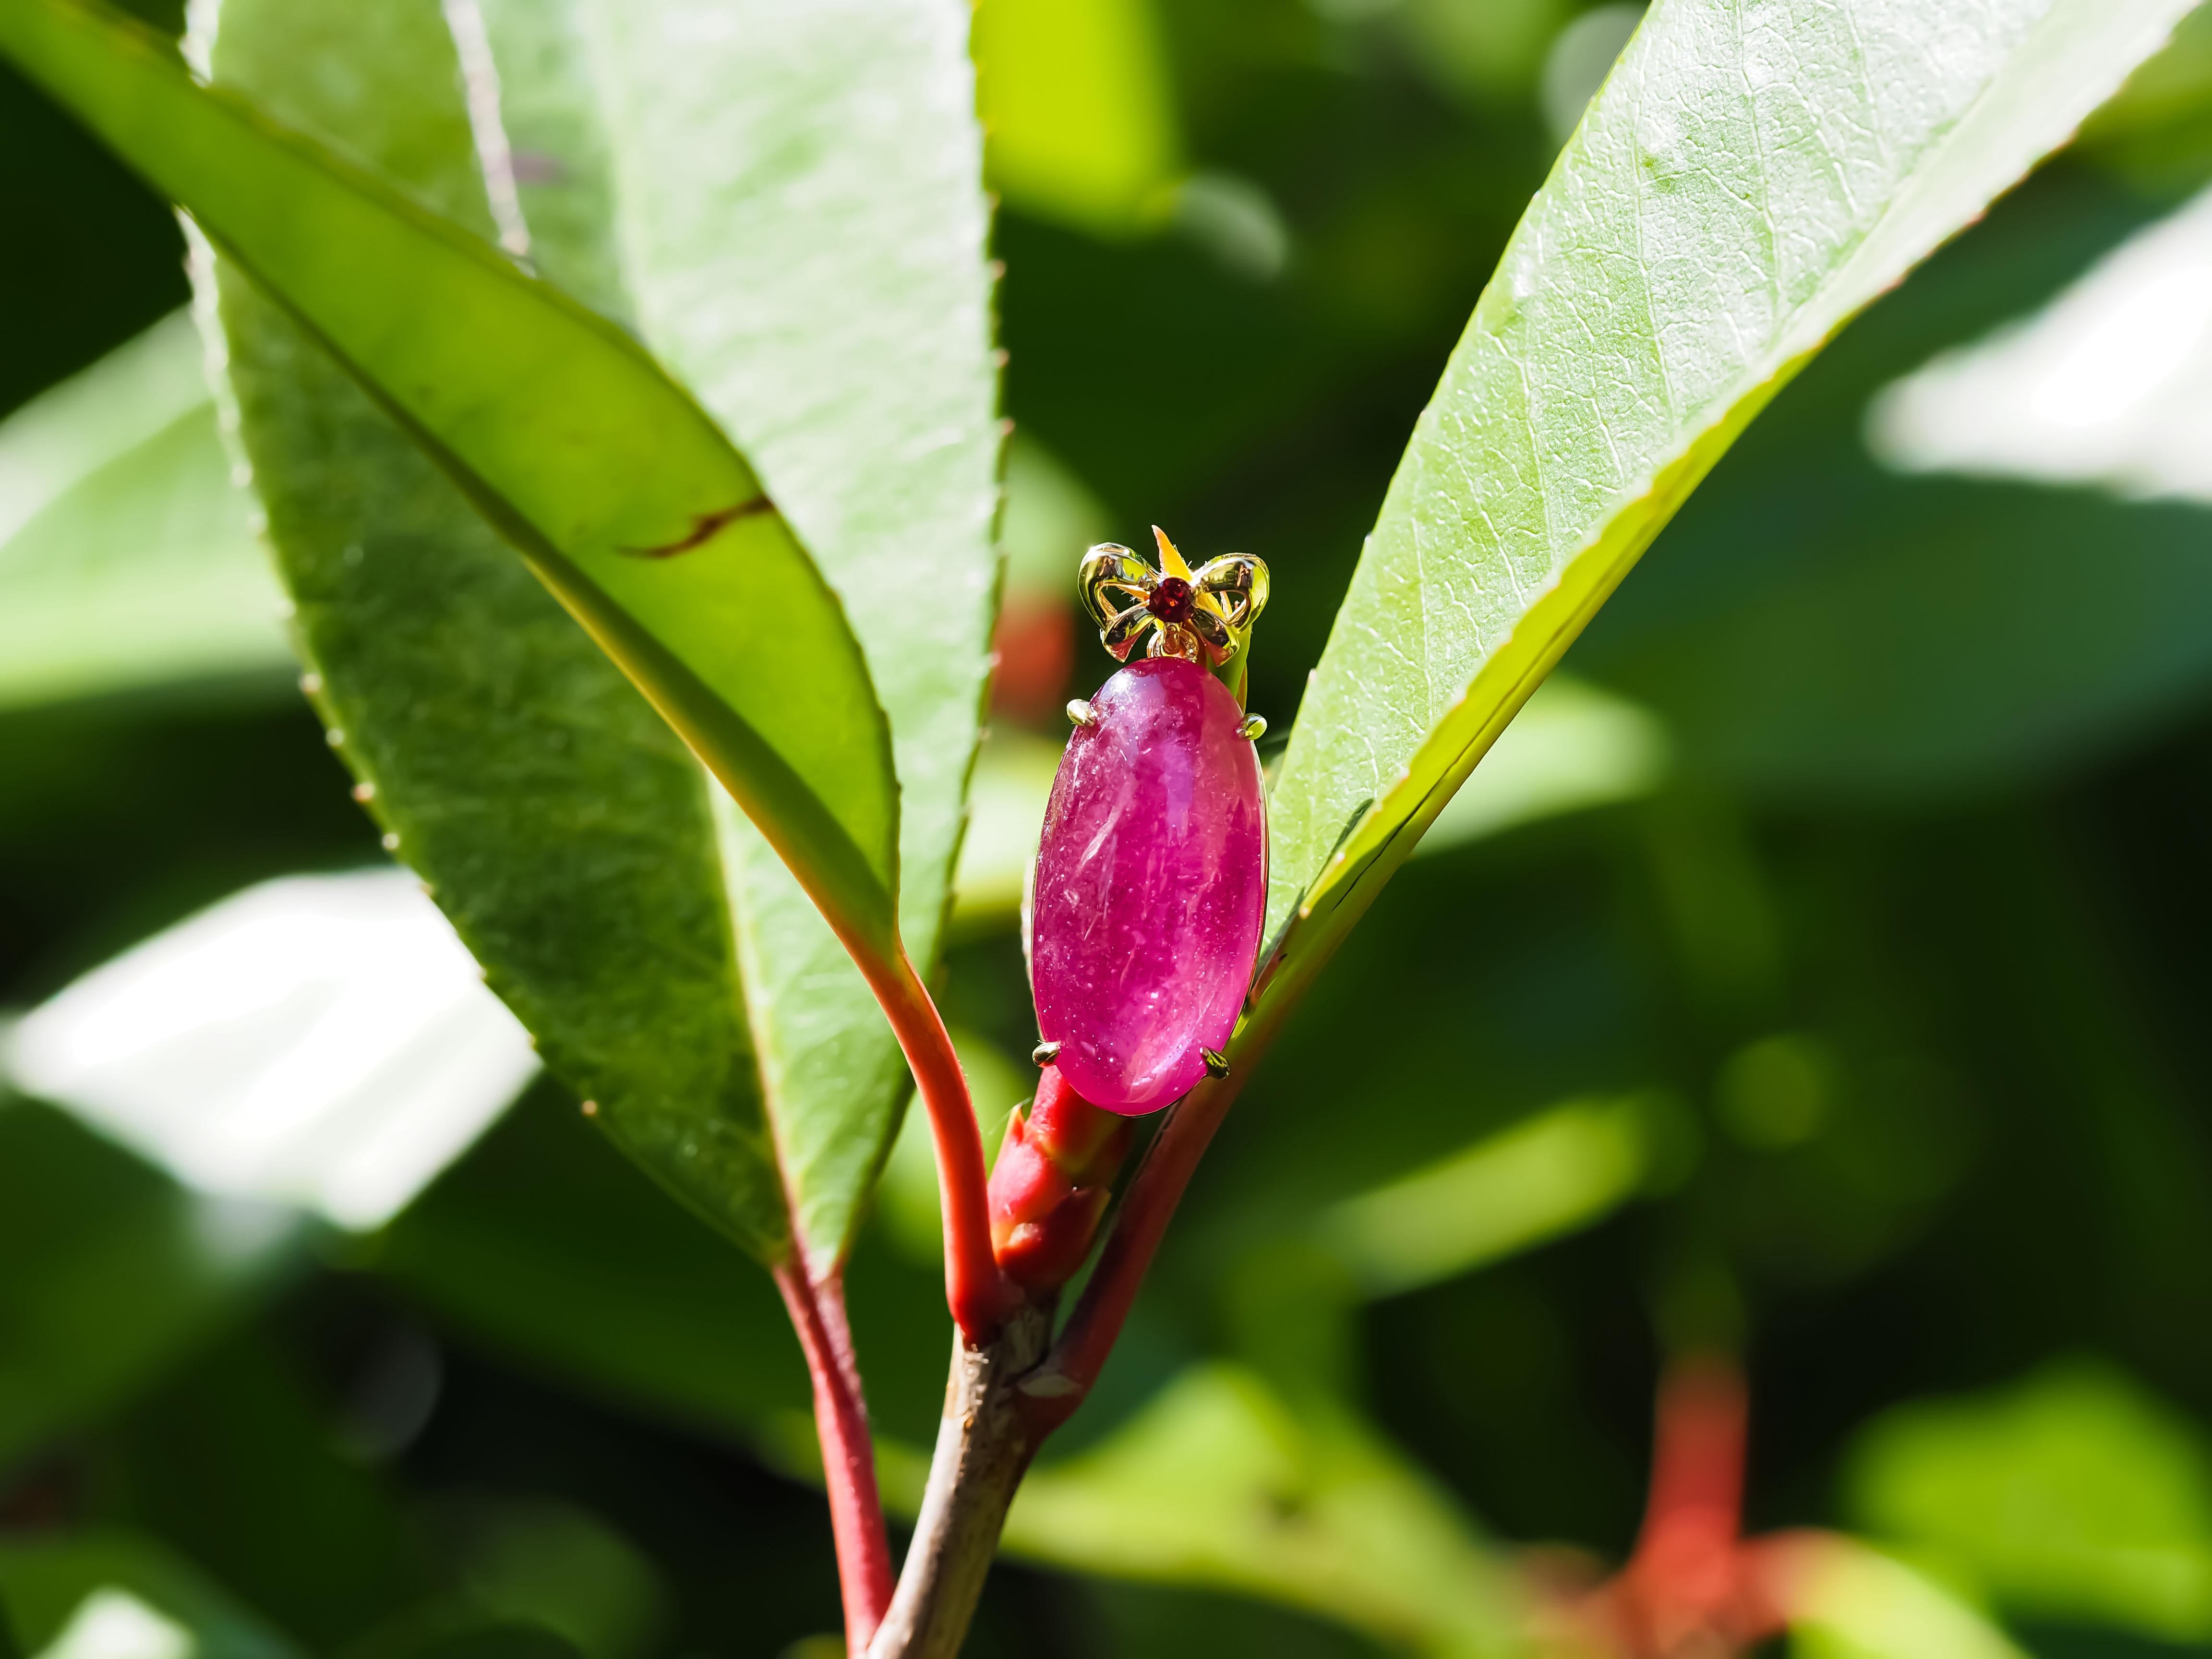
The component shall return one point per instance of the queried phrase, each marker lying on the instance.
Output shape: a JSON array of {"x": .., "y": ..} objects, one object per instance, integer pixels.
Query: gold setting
[{"x": 1201, "y": 615}]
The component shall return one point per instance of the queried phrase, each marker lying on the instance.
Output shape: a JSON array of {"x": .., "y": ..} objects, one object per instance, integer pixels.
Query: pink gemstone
[{"x": 1151, "y": 887}]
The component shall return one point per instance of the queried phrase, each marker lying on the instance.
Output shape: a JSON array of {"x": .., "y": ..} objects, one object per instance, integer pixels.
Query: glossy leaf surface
[
  {"x": 322, "y": 1041},
  {"x": 630, "y": 503},
  {"x": 107, "y": 1590},
  {"x": 1220, "y": 1481},
  {"x": 556, "y": 819},
  {"x": 1741, "y": 188},
  {"x": 802, "y": 229},
  {"x": 1820, "y": 628},
  {"x": 126, "y": 557},
  {"x": 1082, "y": 118},
  {"x": 1859, "y": 1603},
  {"x": 2073, "y": 1494}
]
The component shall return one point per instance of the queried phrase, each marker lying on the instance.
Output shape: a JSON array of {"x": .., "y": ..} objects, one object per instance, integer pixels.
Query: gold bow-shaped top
[{"x": 1200, "y": 616}]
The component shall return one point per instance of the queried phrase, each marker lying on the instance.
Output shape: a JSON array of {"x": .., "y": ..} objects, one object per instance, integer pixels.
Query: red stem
[
  {"x": 1050, "y": 1398},
  {"x": 979, "y": 1295},
  {"x": 1696, "y": 1502},
  {"x": 1149, "y": 1204},
  {"x": 848, "y": 1458}
]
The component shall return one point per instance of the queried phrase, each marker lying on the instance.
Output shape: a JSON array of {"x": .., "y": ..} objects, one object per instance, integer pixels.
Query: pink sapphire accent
[{"x": 1151, "y": 887}]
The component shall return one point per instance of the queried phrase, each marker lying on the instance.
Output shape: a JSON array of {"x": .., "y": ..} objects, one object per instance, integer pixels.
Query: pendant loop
[{"x": 1203, "y": 615}]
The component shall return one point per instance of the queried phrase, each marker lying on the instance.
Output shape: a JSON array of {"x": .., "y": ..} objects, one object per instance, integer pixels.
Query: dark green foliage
[{"x": 1908, "y": 948}]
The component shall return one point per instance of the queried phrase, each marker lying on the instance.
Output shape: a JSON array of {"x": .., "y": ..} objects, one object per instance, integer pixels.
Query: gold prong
[
  {"x": 1045, "y": 1052},
  {"x": 1217, "y": 1063},
  {"x": 1080, "y": 712},
  {"x": 1252, "y": 728}
]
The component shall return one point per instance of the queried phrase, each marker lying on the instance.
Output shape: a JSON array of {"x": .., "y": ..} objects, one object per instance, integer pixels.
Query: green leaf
[
  {"x": 548, "y": 1562},
  {"x": 1739, "y": 189},
  {"x": 555, "y": 141},
  {"x": 1561, "y": 1171},
  {"x": 1829, "y": 684},
  {"x": 1857, "y": 1603},
  {"x": 126, "y": 557},
  {"x": 1006, "y": 800},
  {"x": 88, "y": 1593},
  {"x": 465, "y": 1635},
  {"x": 344, "y": 997},
  {"x": 557, "y": 820},
  {"x": 110, "y": 1274},
  {"x": 1076, "y": 97},
  {"x": 1219, "y": 1482},
  {"x": 1573, "y": 747},
  {"x": 2073, "y": 1494},
  {"x": 1898, "y": 644},
  {"x": 628, "y": 500},
  {"x": 238, "y": 1460},
  {"x": 567, "y": 1263},
  {"x": 803, "y": 228},
  {"x": 564, "y": 1260}
]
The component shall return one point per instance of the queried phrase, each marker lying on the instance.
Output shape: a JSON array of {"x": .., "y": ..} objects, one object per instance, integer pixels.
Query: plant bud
[{"x": 1051, "y": 1183}]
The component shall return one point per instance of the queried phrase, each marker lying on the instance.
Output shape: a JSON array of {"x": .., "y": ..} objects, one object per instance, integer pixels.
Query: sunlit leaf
[
  {"x": 1006, "y": 806},
  {"x": 1075, "y": 95},
  {"x": 2157, "y": 132},
  {"x": 627, "y": 500},
  {"x": 906, "y": 1203},
  {"x": 1560, "y": 1170},
  {"x": 1574, "y": 747},
  {"x": 556, "y": 1565},
  {"x": 2075, "y": 1494},
  {"x": 1858, "y": 1603},
  {"x": 323, "y": 1041},
  {"x": 126, "y": 557},
  {"x": 1739, "y": 189},
  {"x": 532, "y": 78},
  {"x": 803, "y": 231},
  {"x": 556, "y": 820},
  {"x": 2109, "y": 385},
  {"x": 115, "y": 1594},
  {"x": 1219, "y": 1482},
  {"x": 1486, "y": 53},
  {"x": 1918, "y": 637},
  {"x": 469, "y": 1638}
]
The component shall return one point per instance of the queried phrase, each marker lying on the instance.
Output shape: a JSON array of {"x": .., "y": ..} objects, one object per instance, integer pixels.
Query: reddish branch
[
  {"x": 1051, "y": 1395},
  {"x": 979, "y": 1295},
  {"x": 983, "y": 1300},
  {"x": 1695, "y": 1588},
  {"x": 849, "y": 1463},
  {"x": 1002, "y": 1402},
  {"x": 983, "y": 1447}
]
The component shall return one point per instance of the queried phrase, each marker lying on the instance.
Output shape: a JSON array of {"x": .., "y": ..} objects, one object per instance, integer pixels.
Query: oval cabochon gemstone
[{"x": 1151, "y": 887}]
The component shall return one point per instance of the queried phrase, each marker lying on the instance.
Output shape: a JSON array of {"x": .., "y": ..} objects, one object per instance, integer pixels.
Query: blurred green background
[{"x": 1819, "y": 976}]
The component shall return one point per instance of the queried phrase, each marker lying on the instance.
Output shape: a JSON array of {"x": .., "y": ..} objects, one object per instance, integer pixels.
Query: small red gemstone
[{"x": 1170, "y": 601}]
